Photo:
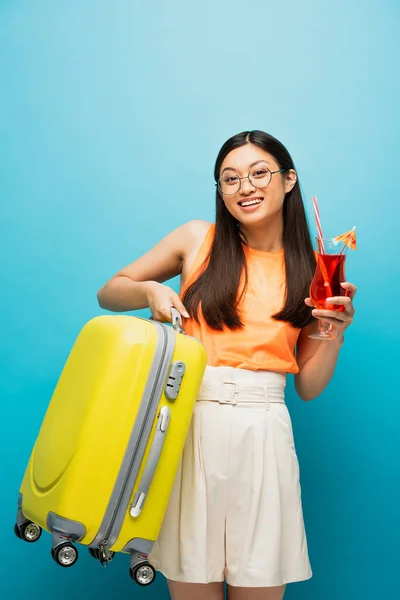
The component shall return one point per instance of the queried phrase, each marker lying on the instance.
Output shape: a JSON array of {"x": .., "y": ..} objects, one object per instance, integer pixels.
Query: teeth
[{"x": 250, "y": 202}]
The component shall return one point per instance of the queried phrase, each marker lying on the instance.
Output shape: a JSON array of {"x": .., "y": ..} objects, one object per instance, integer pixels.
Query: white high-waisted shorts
[{"x": 235, "y": 511}]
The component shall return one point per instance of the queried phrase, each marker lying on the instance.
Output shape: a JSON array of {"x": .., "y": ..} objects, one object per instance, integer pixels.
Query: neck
[{"x": 266, "y": 237}]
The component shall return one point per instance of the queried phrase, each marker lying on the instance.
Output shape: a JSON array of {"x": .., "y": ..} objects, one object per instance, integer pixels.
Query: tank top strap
[{"x": 199, "y": 261}]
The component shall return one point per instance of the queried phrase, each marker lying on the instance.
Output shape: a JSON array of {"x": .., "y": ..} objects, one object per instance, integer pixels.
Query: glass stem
[{"x": 325, "y": 328}]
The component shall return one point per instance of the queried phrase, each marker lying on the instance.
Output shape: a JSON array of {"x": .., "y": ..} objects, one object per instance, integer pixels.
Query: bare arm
[
  {"x": 317, "y": 359},
  {"x": 130, "y": 288}
]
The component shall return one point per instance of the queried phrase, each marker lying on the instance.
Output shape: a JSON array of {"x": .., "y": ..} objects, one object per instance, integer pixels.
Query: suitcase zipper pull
[{"x": 105, "y": 554}]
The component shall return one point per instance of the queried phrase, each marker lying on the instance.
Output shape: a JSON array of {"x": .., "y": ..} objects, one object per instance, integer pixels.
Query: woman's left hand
[{"x": 340, "y": 320}]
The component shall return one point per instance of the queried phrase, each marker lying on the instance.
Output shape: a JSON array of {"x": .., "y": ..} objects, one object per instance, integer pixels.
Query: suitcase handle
[
  {"x": 152, "y": 462},
  {"x": 176, "y": 320}
]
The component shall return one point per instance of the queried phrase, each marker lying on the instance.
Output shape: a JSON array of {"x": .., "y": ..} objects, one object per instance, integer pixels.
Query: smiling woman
[
  {"x": 254, "y": 167},
  {"x": 235, "y": 512}
]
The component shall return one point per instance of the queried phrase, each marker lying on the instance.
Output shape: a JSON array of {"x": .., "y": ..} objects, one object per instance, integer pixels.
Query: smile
[{"x": 250, "y": 202}]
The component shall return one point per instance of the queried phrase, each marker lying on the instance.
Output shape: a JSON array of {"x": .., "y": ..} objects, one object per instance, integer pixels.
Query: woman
[{"x": 235, "y": 511}]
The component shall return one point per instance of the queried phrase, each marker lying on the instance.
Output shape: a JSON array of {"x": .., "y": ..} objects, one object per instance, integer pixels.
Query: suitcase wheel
[
  {"x": 28, "y": 531},
  {"x": 17, "y": 531},
  {"x": 143, "y": 574},
  {"x": 65, "y": 554}
]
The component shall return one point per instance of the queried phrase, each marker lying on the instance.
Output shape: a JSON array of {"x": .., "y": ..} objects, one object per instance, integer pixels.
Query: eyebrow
[{"x": 252, "y": 165}]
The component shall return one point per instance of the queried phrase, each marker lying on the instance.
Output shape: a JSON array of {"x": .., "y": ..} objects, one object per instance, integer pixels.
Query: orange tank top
[{"x": 263, "y": 343}]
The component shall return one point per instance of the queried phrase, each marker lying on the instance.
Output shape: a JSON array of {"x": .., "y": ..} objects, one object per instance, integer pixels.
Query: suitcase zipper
[{"x": 109, "y": 531}]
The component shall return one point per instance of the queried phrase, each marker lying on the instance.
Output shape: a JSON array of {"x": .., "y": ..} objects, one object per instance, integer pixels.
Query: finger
[
  {"x": 330, "y": 314},
  {"x": 177, "y": 303},
  {"x": 350, "y": 288},
  {"x": 335, "y": 322},
  {"x": 308, "y": 301},
  {"x": 163, "y": 315},
  {"x": 343, "y": 301},
  {"x": 326, "y": 322}
]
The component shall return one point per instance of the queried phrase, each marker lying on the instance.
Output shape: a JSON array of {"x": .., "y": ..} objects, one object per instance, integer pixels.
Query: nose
[{"x": 246, "y": 186}]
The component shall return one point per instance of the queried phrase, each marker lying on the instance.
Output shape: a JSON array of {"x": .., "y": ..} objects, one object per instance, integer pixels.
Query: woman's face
[{"x": 251, "y": 205}]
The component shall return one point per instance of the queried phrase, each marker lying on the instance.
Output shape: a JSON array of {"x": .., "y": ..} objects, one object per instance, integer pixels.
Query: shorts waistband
[{"x": 228, "y": 385}]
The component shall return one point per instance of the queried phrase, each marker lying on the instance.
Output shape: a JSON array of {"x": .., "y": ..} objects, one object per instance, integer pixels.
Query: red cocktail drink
[{"x": 328, "y": 276}]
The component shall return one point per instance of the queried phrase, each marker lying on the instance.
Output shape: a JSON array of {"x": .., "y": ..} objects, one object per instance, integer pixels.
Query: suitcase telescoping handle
[{"x": 152, "y": 461}]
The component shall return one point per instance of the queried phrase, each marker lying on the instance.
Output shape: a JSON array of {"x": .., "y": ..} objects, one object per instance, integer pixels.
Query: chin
[{"x": 254, "y": 219}]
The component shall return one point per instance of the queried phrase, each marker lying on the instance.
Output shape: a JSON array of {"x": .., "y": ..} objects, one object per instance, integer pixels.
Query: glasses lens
[
  {"x": 229, "y": 183},
  {"x": 260, "y": 177}
]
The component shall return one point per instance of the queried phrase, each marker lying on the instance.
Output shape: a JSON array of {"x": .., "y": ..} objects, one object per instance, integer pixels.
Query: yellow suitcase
[{"x": 103, "y": 465}]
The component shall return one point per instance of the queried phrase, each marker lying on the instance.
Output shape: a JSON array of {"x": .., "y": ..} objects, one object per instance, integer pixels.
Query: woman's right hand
[{"x": 160, "y": 299}]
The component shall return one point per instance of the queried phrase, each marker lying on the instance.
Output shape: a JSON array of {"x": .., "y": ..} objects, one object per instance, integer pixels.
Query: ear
[{"x": 290, "y": 182}]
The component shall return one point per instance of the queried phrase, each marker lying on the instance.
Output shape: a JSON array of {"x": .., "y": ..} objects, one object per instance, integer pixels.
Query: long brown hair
[{"x": 217, "y": 287}]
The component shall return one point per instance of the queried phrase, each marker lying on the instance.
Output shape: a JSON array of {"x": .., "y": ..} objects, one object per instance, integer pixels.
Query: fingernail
[
  {"x": 329, "y": 299},
  {"x": 186, "y": 314}
]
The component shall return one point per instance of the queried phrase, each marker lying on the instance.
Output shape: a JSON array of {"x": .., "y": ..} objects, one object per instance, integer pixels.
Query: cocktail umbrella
[{"x": 348, "y": 238}]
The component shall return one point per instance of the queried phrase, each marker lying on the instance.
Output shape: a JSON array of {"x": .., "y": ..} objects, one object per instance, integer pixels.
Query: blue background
[{"x": 111, "y": 117}]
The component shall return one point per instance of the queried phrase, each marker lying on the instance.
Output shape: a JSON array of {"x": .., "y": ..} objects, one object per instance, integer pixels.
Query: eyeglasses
[{"x": 230, "y": 184}]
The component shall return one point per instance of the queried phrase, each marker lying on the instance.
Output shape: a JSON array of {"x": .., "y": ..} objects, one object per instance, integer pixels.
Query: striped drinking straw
[{"x": 319, "y": 228}]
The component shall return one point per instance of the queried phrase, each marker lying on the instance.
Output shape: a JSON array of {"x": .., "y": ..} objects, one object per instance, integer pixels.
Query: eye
[
  {"x": 230, "y": 179},
  {"x": 260, "y": 173}
]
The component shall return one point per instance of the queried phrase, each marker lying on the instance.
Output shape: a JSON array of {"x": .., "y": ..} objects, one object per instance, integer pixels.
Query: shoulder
[
  {"x": 197, "y": 228},
  {"x": 193, "y": 234},
  {"x": 185, "y": 238}
]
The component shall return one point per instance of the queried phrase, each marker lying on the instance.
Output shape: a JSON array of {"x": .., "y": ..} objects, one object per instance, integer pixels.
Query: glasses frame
[{"x": 248, "y": 177}]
